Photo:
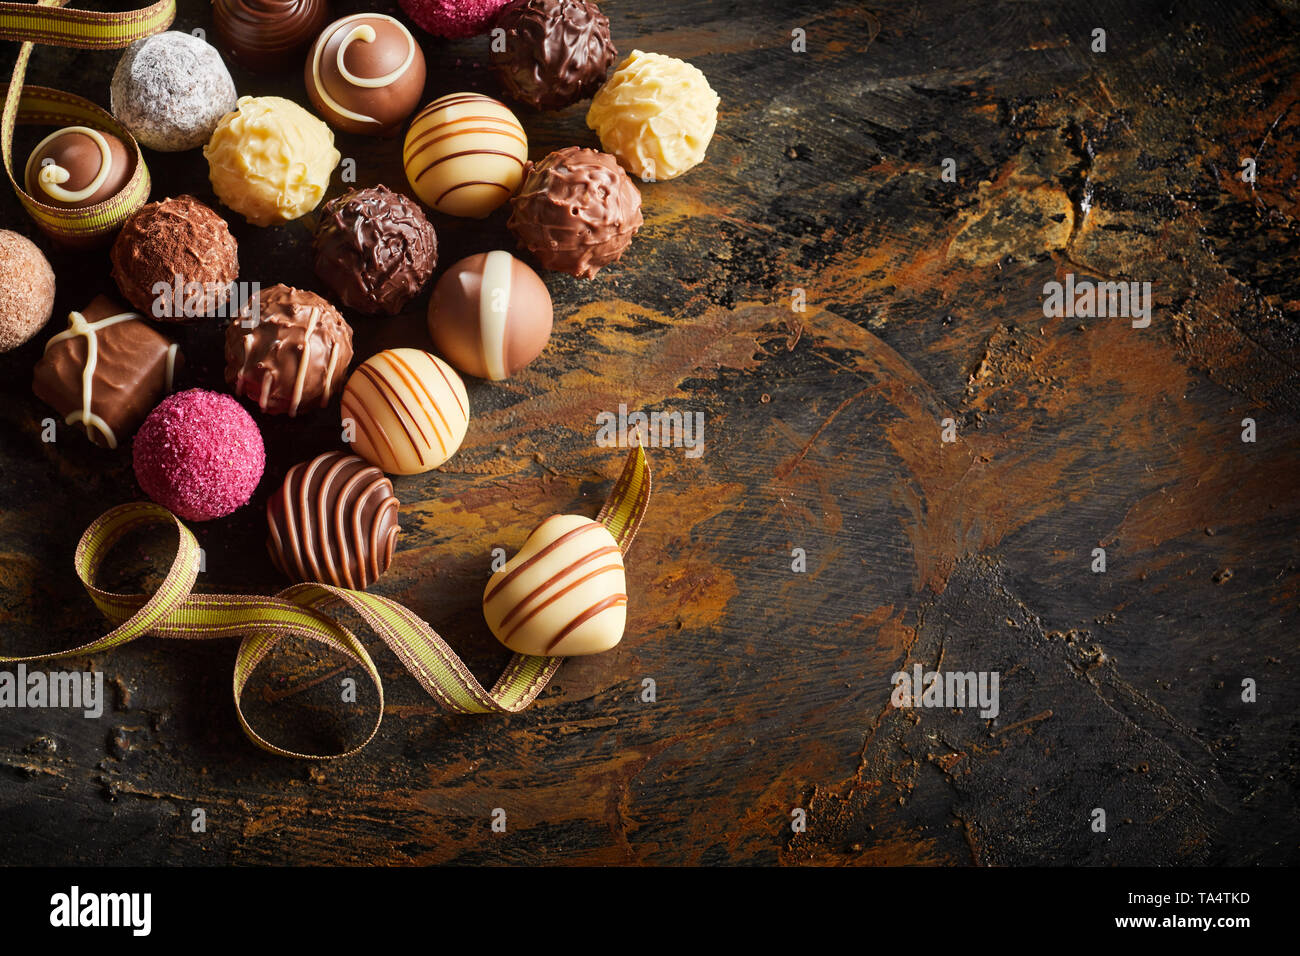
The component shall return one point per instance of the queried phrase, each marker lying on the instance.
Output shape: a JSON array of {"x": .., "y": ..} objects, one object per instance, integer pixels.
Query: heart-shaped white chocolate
[{"x": 564, "y": 594}]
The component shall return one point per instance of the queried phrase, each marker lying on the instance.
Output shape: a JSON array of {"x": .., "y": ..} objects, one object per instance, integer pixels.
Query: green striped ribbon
[
  {"x": 173, "y": 611},
  {"x": 47, "y": 22}
]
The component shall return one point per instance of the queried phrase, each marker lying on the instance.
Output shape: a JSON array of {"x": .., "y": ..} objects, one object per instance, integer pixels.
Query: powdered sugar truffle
[{"x": 170, "y": 90}]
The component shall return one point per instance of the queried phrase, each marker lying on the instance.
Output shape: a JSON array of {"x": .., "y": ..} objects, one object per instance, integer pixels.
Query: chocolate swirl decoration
[
  {"x": 77, "y": 166},
  {"x": 365, "y": 74},
  {"x": 555, "y": 53},
  {"x": 333, "y": 521},
  {"x": 267, "y": 35}
]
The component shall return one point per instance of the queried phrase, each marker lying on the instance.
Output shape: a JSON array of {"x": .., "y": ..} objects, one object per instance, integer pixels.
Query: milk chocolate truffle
[
  {"x": 170, "y": 89},
  {"x": 365, "y": 74},
  {"x": 464, "y": 154},
  {"x": 555, "y": 53},
  {"x": 657, "y": 114},
  {"x": 333, "y": 521},
  {"x": 490, "y": 315},
  {"x": 576, "y": 212},
  {"x": 270, "y": 160},
  {"x": 106, "y": 371},
  {"x": 374, "y": 249},
  {"x": 175, "y": 259},
  {"x": 266, "y": 36},
  {"x": 77, "y": 166},
  {"x": 406, "y": 411},
  {"x": 288, "y": 350},
  {"x": 26, "y": 289},
  {"x": 563, "y": 594}
]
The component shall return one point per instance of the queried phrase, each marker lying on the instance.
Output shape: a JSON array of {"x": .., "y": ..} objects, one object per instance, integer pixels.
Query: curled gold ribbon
[{"x": 174, "y": 611}]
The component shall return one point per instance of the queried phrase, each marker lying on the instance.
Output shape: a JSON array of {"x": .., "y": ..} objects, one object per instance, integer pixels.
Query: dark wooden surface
[{"x": 1119, "y": 690}]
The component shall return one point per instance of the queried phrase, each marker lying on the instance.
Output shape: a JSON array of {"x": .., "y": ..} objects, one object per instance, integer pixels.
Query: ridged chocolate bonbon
[
  {"x": 553, "y": 52},
  {"x": 268, "y": 35},
  {"x": 288, "y": 350},
  {"x": 563, "y": 594},
  {"x": 333, "y": 521},
  {"x": 577, "y": 211},
  {"x": 375, "y": 249},
  {"x": 106, "y": 371}
]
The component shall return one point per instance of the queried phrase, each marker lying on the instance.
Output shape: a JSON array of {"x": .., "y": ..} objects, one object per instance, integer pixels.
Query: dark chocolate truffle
[
  {"x": 268, "y": 35},
  {"x": 287, "y": 350},
  {"x": 375, "y": 249},
  {"x": 490, "y": 315},
  {"x": 175, "y": 259},
  {"x": 365, "y": 74},
  {"x": 77, "y": 166},
  {"x": 333, "y": 521},
  {"x": 555, "y": 53},
  {"x": 576, "y": 211},
  {"x": 106, "y": 371}
]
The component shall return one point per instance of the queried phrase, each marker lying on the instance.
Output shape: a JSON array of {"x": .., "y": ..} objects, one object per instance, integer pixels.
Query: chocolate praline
[
  {"x": 77, "y": 166},
  {"x": 554, "y": 52},
  {"x": 365, "y": 74},
  {"x": 577, "y": 211},
  {"x": 106, "y": 371},
  {"x": 375, "y": 249},
  {"x": 287, "y": 350},
  {"x": 333, "y": 521},
  {"x": 268, "y": 35}
]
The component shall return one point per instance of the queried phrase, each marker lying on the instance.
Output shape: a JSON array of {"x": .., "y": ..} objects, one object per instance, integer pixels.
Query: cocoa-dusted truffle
[
  {"x": 334, "y": 520},
  {"x": 106, "y": 371},
  {"x": 576, "y": 211},
  {"x": 375, "y": 249},
  {"x": 26, "y": 289},
  {"x": 268, "y": 35},
  {"x": 555, "y": 53},
  {"x": 175, "y": 259},
  {"x": 287, "y": 350}
]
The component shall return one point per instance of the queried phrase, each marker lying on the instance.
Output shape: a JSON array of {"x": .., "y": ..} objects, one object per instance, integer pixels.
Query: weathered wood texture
[{"x": 1118, "y": 690}]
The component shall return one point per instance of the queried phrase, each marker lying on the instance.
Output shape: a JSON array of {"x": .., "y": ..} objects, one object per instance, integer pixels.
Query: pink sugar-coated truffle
[
  {"x": 199, "y": 454},
  {"x": 453, "y": 18}
]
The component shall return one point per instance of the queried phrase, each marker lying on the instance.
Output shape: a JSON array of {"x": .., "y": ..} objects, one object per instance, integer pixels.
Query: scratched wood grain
[{"x": 923, "y": 302}]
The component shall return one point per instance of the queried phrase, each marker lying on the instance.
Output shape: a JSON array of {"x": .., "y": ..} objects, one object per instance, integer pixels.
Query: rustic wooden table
[{"x": 826, "y": 297}]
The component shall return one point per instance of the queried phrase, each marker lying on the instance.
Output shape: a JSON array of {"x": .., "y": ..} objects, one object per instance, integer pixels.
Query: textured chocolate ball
[
  {"x": 267, "y": 36},
  {"x": 375, "y": 249},
  {"x": 554, "y": 52},
  {"x": 334, "y": 521},
  {"x": 365, "y": 74},
  {"x": 288, "y": 350},
  {"x": 77, "y": 166},
  {"x": 170, "y": 90},
  {"x": 490, "y": 315},
  {"x": 175, "y": 259},
  {"x": 26, "y": 289},
  {"x": 577, "y": 211}
]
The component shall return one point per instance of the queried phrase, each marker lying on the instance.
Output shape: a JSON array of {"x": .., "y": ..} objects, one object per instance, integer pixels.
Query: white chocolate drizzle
[
  {"x": 52, "y": 176},
  {"x": 365, "y": 33},
  {"x": 494, "y": 310},
  {"x": 77, "y": 325}
]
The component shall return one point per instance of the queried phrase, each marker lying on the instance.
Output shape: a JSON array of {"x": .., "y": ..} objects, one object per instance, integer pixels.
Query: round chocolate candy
[
  {"x": 26, "y": 289},
  {"x": 267, "y": 35},
  {"x": 170, "y": 90},
  {"x": 405, "y": 411},
  {"x": 577, "y": 211},
  {"x": 490, "y": 315},
  {"x": 375, "y": 249},
  {"x": 106, "y": 371},
  {"x": 563, "y": 594},
  {"x": 464, "y": 154},
  {"x": 554, "y": 52},
  {"x": 333, "y": 521},
  {"x": 365, "y": 74},
  {"x": 287, "y": 350},
  {"x": 77, "y": 166}
]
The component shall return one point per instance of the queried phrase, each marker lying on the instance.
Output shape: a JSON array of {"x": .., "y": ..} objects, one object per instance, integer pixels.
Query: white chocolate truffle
[{"x": 564, "y": 594}]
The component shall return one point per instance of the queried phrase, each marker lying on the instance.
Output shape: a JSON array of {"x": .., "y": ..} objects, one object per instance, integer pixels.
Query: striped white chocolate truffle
[
  {"x": 464, "y": 154},
  {"x": 490, "y": 315},
  {"x": 564, "y": 594},
  {"x": 405, "y": 411}
]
